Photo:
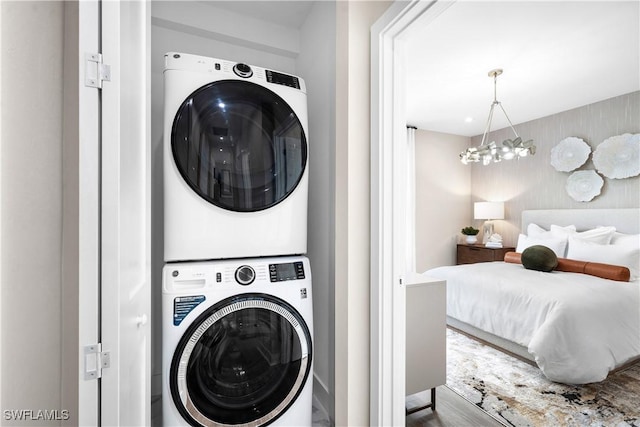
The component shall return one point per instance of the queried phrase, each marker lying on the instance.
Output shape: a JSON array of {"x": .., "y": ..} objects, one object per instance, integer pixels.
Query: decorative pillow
[
  {"x": 556, "y": 244},
  {"x": 540, "y": 258},
  {"x": 606, "y": 271},
  {"x": 607, "y": 254}
]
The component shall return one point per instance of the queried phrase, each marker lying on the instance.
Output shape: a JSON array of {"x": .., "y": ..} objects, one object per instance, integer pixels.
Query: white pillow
[
  {"x": 556, "y": 232},
  {"x": 556, "y": 244},
  {"x": 599, "y": 235},
  {"x": 629, "y": 240},
  {"x": 562, "y": 231},
  {"x": 606, "y": 254},
  {"x": 534, "y": 230}
]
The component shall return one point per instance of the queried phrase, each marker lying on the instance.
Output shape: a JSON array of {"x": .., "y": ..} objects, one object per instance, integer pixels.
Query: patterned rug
[{"x": 518, "y": 394}]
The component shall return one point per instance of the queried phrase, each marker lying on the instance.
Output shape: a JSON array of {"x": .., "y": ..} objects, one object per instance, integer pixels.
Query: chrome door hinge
[
  {"x": 95, "y": 360},
  {"x": 95, "y": 71}
]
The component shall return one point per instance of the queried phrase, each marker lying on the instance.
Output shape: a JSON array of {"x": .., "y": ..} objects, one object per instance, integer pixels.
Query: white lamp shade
[{"x": 488, "y": 210}]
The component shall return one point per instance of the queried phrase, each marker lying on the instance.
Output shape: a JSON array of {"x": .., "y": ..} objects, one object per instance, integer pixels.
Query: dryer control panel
[{"x": 286, "y": 271}]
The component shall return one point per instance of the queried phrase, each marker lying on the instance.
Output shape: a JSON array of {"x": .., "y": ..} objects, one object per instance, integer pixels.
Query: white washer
[
  {"x": 235, "y": 160},
  {"x": 237, "y": 343}
]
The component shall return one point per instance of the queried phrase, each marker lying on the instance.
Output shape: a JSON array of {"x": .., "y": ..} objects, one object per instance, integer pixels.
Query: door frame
[
  {"x": 389, "y": 196},
  {"x": 85, "y": 131},
  {"x": 125, "y": 234}
]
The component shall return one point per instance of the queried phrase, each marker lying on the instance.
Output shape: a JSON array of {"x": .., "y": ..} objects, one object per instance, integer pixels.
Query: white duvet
[{"x": 577, "y": 327}]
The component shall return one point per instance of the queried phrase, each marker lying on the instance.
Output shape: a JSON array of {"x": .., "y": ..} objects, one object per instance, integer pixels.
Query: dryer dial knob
[
  {"x": 245, "y": 275},
  {"x": 243, "y": 70}
]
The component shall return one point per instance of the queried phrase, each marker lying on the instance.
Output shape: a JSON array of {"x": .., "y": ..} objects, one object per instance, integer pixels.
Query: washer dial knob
[
  {"x": 245, "y": 275},
  {"x": 243, "y": 70}
]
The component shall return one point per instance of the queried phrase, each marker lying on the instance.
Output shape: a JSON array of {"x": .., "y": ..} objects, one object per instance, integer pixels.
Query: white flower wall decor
[
  {"x": 583, "y": 186},
  {"x": 570, "y": 154},
  {"x": 618, "y": 157}
]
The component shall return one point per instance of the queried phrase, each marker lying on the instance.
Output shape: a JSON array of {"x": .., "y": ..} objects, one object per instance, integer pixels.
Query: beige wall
[
  {"x": 352, "y": 213},
  {"x": 532, "y": 183},
  {"x": 443, "y": 192},
  {"x": 31, "y": 203}
]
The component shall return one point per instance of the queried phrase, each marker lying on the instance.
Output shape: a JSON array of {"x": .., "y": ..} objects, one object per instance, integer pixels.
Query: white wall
[
  {"x": 316, "y": 63},
  {"x": 31, "y": 203},
  {"x": 443, "y": 194}
]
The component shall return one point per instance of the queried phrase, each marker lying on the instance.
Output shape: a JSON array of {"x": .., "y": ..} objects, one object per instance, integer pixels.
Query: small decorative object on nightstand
[
  {"x": 470, "y": 254},
  {"x": 471, "y": 234},
  {"x": 494, "y": 241}
]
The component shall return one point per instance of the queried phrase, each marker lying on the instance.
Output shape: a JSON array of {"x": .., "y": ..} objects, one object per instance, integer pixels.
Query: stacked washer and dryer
[{"x": 237, "y": 318}]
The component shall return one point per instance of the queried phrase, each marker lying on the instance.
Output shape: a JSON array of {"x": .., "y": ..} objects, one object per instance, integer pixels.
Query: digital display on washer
[
  {"x": 286, "y": 271},
  {"x": 282, "y": 79}
]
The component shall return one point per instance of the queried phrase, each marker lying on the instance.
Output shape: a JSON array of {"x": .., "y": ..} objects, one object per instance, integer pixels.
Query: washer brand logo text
[{"x": 36, "y": 415}]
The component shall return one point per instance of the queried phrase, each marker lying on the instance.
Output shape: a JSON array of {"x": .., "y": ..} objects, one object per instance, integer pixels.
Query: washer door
[
  {"x": 244, "y": 361},
  {"x": 239, "y": 145}
]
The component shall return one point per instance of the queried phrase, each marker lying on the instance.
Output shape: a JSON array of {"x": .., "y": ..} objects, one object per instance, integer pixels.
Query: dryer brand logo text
[{"x": 36, "y": 414}]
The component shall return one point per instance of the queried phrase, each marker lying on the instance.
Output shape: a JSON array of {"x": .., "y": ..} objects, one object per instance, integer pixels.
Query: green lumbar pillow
[{"x": 539, "y": 258}]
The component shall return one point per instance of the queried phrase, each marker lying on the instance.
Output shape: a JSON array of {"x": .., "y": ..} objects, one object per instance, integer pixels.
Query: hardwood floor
[{"x": 451, "y": 411}]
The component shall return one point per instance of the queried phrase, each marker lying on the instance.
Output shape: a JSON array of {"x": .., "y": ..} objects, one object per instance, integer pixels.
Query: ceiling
[
  {"x": 556, "y": 55},
  {"x": 288, "y": 13}
]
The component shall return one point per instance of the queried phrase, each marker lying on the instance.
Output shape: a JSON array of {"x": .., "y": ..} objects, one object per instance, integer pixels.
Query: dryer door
[
  {"x": 244, "y": 361},
  {"x": 239, "y": 145}
]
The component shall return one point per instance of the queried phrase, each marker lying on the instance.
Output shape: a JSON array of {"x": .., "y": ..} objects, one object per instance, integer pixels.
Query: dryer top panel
[{"x": 230, "y": 70}]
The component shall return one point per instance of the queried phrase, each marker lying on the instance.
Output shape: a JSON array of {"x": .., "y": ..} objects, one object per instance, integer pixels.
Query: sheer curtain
[{"x": 410, "y": 212}]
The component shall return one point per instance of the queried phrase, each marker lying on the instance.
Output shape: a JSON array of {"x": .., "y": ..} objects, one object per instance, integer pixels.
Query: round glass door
[
  {"x": 239, "y": 145},
  {"x": 244, "y": 361}
]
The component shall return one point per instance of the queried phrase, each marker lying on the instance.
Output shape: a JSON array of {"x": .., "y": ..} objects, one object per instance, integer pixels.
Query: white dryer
[
  {"x": 235, "y": 160},
  {"x": 237, "y": 343}
]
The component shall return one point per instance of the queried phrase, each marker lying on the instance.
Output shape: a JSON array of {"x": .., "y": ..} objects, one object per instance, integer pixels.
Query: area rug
[{"x": 518, "y": 394}]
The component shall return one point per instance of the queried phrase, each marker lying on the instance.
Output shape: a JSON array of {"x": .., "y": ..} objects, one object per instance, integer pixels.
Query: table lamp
[{"x": 488, "y": 211}]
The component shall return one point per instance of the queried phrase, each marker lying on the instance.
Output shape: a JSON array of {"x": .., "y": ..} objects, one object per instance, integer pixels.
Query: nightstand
[{"x": 470, "y": 254}]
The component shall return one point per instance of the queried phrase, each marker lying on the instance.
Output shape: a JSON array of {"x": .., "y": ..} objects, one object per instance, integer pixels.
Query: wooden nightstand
[{"x": 469, "y": 254}]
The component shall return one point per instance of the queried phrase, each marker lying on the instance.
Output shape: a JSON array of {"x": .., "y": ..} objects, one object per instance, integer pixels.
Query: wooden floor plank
[{"x": 452, "y": 410}]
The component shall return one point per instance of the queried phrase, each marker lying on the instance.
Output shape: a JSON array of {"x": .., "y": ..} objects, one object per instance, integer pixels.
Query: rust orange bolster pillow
[{"x": 605, "y": 271}]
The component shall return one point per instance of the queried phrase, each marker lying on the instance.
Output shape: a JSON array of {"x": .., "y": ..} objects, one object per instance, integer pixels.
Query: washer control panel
[
  {"x": 233, "y": 274},
  {"x": 286, "y": 271}
]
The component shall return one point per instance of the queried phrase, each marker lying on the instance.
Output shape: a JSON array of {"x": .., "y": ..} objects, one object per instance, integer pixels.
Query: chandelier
[{"x": 488, "y": 152}]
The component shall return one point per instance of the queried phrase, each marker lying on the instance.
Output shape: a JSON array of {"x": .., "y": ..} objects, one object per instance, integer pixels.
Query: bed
[{"x": 576, "y": 327}]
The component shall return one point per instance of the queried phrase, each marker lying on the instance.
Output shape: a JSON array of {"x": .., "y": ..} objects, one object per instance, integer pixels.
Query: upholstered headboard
[{"x": 625, "y": 220}]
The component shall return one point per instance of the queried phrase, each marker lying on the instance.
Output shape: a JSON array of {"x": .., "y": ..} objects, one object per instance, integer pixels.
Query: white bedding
[{"x": 577, "y": 327}]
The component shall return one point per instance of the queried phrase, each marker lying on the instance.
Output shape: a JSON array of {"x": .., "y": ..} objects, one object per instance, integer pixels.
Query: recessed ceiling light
[{"x": 468, "y": 120}]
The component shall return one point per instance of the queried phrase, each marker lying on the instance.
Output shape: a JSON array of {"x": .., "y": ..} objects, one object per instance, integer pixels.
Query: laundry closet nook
[{"x": 290, "y": 38}]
